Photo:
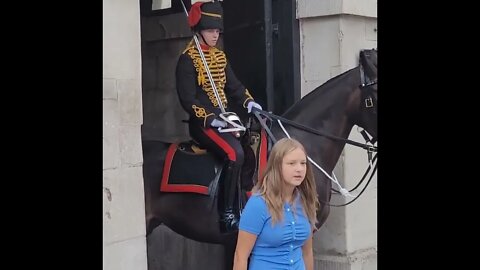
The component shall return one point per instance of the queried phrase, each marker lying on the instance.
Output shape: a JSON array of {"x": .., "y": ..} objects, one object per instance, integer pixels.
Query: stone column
[
  {"x": 332, "y": 33},
  {"x": 124, "y": 244}
]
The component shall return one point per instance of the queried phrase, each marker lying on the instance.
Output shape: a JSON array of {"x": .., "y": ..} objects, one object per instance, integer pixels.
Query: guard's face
[{"x": 210, "y": 36}]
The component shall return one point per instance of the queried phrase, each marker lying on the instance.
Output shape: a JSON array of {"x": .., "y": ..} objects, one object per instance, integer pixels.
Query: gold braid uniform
[{"x": 195, "y": 90}]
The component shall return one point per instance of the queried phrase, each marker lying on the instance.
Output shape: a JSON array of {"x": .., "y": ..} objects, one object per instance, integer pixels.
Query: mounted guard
[
  {"x": 321, "y": 120},
  {"x": 205, "y": 84}
]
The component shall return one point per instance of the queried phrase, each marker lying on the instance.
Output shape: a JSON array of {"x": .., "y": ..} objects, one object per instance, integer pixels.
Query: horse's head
[{"x": 368, "y": 89}]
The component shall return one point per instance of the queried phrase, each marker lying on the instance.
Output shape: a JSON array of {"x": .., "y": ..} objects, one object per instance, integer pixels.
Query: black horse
[{"x": 334, "y": 108}]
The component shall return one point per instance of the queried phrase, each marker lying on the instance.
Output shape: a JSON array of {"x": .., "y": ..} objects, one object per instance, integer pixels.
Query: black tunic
[{"x": 195, "y": 91}]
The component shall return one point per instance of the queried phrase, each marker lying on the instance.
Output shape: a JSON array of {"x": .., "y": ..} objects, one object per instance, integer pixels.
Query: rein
[
  {"x": 359, "y": 183},
  {"x": 257, "y": 113},
  {"x": 369, "y": 148}
]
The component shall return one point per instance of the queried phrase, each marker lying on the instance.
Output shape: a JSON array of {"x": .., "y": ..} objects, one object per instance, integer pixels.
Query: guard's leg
[
  {"x": 226, "y": 147},
  {"x": 229, "y": 218}
]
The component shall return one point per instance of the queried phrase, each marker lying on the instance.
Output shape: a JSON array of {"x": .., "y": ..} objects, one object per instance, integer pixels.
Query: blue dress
[{"x": 280, "y": 246}]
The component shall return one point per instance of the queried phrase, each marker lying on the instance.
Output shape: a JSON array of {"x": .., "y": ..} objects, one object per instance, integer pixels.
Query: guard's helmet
[{"x": 206, "y": 15}]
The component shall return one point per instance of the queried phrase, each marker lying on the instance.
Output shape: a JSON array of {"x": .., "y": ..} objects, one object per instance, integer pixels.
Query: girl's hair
[{"x": 272, "y": 184}]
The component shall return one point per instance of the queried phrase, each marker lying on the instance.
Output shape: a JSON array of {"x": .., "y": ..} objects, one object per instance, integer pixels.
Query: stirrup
[{"x": 229, "y": 222}]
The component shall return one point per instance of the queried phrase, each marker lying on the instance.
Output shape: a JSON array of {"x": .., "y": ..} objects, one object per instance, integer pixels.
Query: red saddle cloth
[{"x": 188, "y": 168}]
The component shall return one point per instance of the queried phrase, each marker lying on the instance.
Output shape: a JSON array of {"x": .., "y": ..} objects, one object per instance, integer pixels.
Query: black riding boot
[{"x": 229, "y": 219}]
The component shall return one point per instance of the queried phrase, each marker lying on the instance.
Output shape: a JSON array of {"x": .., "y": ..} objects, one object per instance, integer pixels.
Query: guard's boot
[{"x": 228, "y": 218}]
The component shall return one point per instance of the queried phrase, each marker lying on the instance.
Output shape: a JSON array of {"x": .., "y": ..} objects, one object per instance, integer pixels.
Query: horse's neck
[
  {"x": 327, "y": 112},
  {"x": 322, "y": 150}
]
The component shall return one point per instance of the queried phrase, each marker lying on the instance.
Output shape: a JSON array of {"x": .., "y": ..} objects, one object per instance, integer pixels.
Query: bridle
[{"x": 368, "y": 104}]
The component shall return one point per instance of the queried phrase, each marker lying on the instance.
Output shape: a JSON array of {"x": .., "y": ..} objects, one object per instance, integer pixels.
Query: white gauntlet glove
[
  {"x": 252, "y": 104},
  {"x": 218, "y": 123}
]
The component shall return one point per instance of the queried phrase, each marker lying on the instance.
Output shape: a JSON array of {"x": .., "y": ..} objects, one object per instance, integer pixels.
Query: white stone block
[
  {"x": 121, "y": 39},
  {"x": 331, "y": 237},
  {"x": 310, "y": 85},
  {"x": 315, "y": 8},
  {"x": 355, "y": 38},
  {"x": 369, "y": 263},
  {"x": 111, "y": 118},
  {"x": 130, "y": 102},
  {"x": 371, "y": 29},
  {"x": 319, "y": 35},
  {"x": 335, "y": 70},
  {"x": 366, "y": 8},
  {"x": 111, "y": 152},
  {"x": 130, "y": 146},
  {"x": 123, "y": 204},
  {"x": 360, "y": 260},
  {"x": 126, "y": 255},
  {"x": 361, "y": 218},
  {"x": 309, "y": 8},
  {"x": 109, "y": 89}
]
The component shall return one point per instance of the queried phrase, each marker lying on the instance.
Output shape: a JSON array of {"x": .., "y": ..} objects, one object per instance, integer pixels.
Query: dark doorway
[
  {"x": 286, "y": 55},
  {"x": 261, "y": 42}
]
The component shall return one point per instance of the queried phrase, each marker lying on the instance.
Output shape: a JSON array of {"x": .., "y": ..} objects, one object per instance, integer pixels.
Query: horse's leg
[
  {"x": 152, "y": 223},
  {"x": 323, "y": 214},
  {"x": 153, "y": 159},
  {"x": 230, "y": 246},
  {"x": 150, "y": 220},
  {"x": 324, "y": 210}
]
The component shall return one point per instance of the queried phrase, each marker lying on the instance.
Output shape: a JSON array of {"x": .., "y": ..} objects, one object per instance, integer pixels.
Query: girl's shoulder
[
  {"x": 256, "y": 199},
  {"x": 256, "y": 206}
]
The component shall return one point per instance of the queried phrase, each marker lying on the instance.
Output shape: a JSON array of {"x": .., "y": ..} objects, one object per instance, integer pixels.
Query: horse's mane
[
  {"x": 330, "y": 83},
  {"x": 368, "y": 59},
  {"x": 321, "y": 90}
]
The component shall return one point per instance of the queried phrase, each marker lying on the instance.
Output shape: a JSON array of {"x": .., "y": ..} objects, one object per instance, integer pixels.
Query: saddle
[{"x": 190, "y": 168}]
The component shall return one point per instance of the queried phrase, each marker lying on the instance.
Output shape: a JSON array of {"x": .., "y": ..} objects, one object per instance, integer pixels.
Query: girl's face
[
  {"x": 210, "y": 36},
  {"x": 294, "y": 167}
]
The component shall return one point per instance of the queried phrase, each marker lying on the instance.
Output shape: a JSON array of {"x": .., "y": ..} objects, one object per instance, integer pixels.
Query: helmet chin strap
[{"x": 203, "y": 39}]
